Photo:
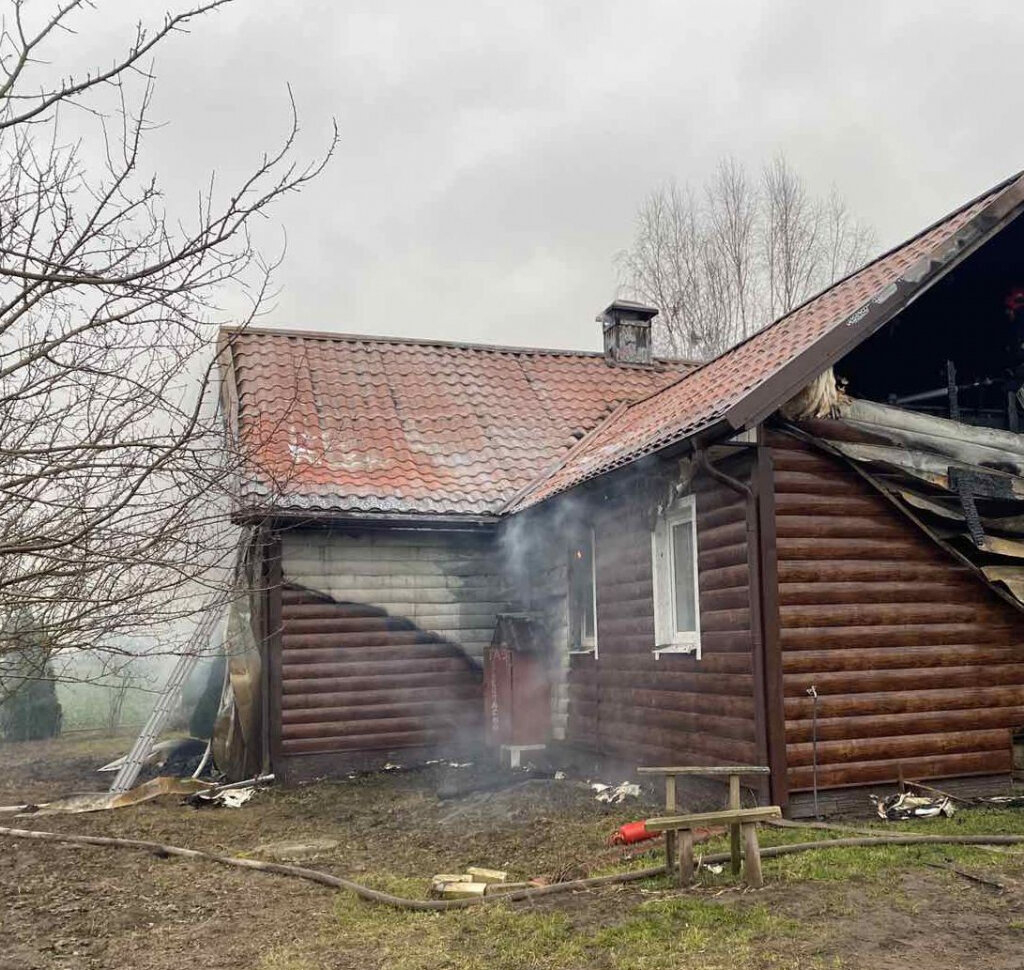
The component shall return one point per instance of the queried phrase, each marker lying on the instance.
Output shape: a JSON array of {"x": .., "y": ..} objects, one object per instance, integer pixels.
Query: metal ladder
[{"x": 167, "y": 700}]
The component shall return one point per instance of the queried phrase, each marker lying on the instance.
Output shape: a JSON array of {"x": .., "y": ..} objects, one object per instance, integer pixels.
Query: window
[
  {"x": 674, "y": 563},
  {"x": 582, "y": 600}
]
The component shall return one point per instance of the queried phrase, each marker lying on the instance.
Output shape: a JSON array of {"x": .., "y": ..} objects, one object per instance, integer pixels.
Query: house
[{"x": 806, "y": 552}]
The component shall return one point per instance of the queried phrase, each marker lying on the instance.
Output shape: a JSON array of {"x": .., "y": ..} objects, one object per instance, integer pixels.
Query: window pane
[
  {"x": 581, "y": 595},
  {"x": 683, "y": 569}
]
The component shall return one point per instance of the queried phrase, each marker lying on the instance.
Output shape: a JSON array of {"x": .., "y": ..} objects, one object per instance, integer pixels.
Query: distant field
[{"x": 87, "y": 706}]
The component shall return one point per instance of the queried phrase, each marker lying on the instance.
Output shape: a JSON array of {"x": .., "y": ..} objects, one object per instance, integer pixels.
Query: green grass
[
  {"x": 655, "y": 935},
  {"x": 653, "y": 926}
]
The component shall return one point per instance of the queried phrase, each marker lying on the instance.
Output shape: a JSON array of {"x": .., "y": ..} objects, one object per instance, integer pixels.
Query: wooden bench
[
  {"x": 732, "y": 772},
  {"x": 744, "y": 819}
]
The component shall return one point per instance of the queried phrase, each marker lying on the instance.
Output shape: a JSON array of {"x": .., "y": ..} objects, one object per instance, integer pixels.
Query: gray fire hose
[{"x": 400, "y": 902}]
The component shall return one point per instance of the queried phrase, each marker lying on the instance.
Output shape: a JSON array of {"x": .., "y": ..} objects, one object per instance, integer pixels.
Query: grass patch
[
  {"x": 621, "y": 930},
  {"x": 654, "y": 935}
]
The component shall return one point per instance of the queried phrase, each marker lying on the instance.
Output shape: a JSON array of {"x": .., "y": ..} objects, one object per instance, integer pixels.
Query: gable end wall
[{"x": 918, "y": 666}]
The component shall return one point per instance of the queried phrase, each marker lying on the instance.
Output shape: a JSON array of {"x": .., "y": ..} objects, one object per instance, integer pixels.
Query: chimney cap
[{"x": 626, "y": 310}]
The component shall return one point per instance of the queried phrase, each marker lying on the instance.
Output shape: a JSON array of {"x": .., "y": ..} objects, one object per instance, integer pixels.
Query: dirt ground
[{"x": 65, "y": 906}]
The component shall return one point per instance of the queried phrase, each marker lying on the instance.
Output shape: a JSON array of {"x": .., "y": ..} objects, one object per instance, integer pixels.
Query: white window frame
[
  {"x": 588, "y": 646},
  {"x": 667, "y": 639}
]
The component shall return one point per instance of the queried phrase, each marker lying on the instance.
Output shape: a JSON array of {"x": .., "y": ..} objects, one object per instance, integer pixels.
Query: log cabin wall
[
  {"x": 631, "y": 707},
  {"x": 918, "y": 665},
  {"x": 382, "y": 635}
]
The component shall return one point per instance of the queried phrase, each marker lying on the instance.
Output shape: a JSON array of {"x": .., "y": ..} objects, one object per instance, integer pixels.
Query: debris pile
[
  {"x": 615, "y": 795},
  {"x": 475, "y": 881},
  {"x": 901, "y": 806}
]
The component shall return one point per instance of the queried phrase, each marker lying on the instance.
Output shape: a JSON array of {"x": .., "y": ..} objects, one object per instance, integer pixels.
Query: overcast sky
[{"x": 492, "y": 155}]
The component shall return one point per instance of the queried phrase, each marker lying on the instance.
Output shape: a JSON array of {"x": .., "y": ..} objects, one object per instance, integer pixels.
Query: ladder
[{"x": 168, "y": 698}]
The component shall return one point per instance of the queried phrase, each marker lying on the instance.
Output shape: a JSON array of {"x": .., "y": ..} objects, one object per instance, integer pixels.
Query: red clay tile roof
[
  {"x": 704, "y": 395},
  {"x": 342, "y": 423}
]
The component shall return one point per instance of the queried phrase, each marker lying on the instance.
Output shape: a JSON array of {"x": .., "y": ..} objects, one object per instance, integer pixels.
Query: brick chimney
[{"x": 627, "y": 332}]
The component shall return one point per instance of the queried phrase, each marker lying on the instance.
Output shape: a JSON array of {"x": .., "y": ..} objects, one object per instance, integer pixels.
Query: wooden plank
[
  {"x": 441, "y": 708},
  {"x": 734, "y": 830},
  {"x": 635, "y": 741},
  {"x": 845, "y": 638},
  {"x": 800, "y": 482},
  {"x": 685, "y": 856},
  {"x": 457, "y": 720},
  {"x": 413, "y": 664},
  {"x": 376, "y": 679},
  {"x": 898, "y": 748},
  {"x": 723, "y": 536},
  {"x": 684, "y": 721},
  {"x": 839, "y": 524},
  {"x": 883, "y": 570},
  {"x": 751, "y": 857},
  {"x": 867, "y": 613},
  {"x": 796, "y": 503},
  {"x": 741, "y": 708},
  {"x": 705, "y": 819},
  {"x": 710, "y": 771},
  {"x": 768, "y": 562},
  {"x": 905, "y": 702},
  {"x": 825, "y": 591},
  {"x": 365, "y": 742},
  {"x": 444, "y": 690},
  {"x": 891, "y": 725},
  {"x": 894, "y": 658},
  {"x": 912, "y": 679},
  {"x": 888, "y": 771},
  {"x": 904, "y": 547}
]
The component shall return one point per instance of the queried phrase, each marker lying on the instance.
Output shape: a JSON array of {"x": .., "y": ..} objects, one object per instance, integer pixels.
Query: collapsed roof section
[{"x": 963, "y": 485}]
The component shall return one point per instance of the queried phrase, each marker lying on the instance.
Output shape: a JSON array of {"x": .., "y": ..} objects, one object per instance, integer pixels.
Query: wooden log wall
[
  {"x": 676, "y": 709},
  {"x": 917, "y": 663},
  {"x": 381, "y": 642}
]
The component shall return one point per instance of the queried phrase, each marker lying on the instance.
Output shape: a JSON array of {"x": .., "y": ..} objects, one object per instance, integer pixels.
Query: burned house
[{"x": 807, "y": 552}]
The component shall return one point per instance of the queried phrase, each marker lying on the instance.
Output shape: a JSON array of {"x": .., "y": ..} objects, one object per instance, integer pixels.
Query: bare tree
[
  {"x": 113, "y": 477},
  {"x": 721, "y": 263}
]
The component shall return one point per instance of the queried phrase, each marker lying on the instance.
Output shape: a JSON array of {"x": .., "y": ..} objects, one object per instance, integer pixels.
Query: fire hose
[{"x": 430, "y": 905}]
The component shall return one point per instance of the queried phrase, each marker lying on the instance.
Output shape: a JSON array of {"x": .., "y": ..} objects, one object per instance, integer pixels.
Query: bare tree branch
[
  {"x": 114, "y": 479},
  {"x": 723, "y": 263}
]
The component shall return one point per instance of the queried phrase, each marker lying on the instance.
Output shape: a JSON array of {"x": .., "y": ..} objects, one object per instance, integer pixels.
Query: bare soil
[{"x": 83, "y": 907}]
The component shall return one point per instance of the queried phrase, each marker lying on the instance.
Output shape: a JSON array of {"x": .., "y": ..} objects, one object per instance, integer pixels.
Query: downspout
[{"x": 718, "y": 475}]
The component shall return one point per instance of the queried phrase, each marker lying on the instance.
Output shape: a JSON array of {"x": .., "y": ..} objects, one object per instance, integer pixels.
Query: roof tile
[{"x": 342, "y": 423}]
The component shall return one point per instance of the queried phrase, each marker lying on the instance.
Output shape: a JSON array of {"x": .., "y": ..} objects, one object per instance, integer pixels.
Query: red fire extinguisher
[{"x": 631, "y": 832}]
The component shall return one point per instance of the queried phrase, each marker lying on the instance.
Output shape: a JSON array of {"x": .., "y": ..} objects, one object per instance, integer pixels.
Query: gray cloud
[{"x": 493, "y": 154}]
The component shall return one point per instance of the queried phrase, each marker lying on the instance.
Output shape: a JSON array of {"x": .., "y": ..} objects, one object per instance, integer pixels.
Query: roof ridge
[{"x": 341, "y": 337}]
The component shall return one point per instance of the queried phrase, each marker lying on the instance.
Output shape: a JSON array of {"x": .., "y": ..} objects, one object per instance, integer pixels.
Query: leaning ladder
[{"x": 165, "y": 703}]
